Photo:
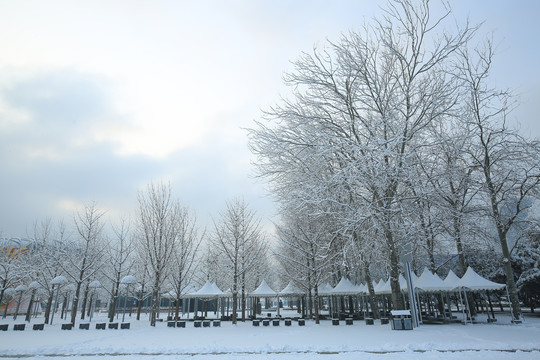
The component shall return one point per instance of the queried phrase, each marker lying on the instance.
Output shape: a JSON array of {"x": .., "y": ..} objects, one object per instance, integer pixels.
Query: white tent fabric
[
  {"x": 472, "y": 281},
  {"x": 209, "y": 290},
  {"x": 264, "y": 290},
  {"x": 429, "y": 282},
  {"x": 452, "y": 279},
  {"x": 362, "y": 289},
  {"x": 378, "y": 287},
  {"x": 345, "y": 287},
  {"x": 384, "y": 288},
  {"x": 325, "y": 290},
  {"x": 291, "y": 289}
]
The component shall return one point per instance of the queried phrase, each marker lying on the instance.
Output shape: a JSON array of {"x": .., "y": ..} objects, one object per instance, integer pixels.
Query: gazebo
[
  {"x": 209, "y": 291},
  {"x": 429, "y": 284},
  {"x": 473, "y": 282},
  {"x": 291, "y": 290},
  {"x": 264, "y": 291},
  {"x": 344, "y": 288}
]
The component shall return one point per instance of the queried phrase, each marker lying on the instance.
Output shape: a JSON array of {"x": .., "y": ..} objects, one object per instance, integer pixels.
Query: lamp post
[
  {"x": 94, "y": 285},
  {"x": 19, "y": 289},
  {"x": 58, "y": 282},
  {"x": 127, "y": 281}
]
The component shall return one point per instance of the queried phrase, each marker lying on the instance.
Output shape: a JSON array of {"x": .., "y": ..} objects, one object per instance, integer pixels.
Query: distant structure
[{"x": 13, "y": 247}]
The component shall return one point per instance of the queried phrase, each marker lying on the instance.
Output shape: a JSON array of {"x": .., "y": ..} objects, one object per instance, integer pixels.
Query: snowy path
[
  {"x": 243, "y": 341},
  {"x": 349, "y": 355}
]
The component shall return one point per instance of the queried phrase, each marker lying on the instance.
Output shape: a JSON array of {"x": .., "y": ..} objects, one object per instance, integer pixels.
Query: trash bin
[{"x": 401, "y": 320}]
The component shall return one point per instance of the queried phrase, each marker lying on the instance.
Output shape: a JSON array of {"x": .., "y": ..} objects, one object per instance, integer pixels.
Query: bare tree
[
  {"x": 158, "y": 229},
  {"x": 119, "y": 253},
  {"x": 509, "y": 164},
  {"x": 184, "y": 262},
  {"x": 359, "y": 113},
  {"x": 305, "y": 253},
  {"x": 86, "y": 251},
  {"x": 49, "y": 257},
  {"x": 240, "y": 239}
]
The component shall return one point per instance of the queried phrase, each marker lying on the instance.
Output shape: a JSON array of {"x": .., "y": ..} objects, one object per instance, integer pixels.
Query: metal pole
[
  {"x": 467, "y": 303},
  {"x": 412, "y": 299}
]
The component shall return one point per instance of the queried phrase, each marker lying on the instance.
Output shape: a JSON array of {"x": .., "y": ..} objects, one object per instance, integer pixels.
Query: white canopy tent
[
  {"x": 291, "y": 290},
  {"x": 264, "y": 290},
  {"x": 474, "y": 282},
  {"x": 429, "y": 282},
  {"x": 377, "y": 286},
  {"x": 325, "y": 289},
  {"x": 207, "y": 292},
  {"x": 452, "y": 280},
  {"x": 345, "y": 288}
]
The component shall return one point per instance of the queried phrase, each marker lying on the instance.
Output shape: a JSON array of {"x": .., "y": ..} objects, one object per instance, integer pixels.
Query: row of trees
[
  {"x": 394, "y": 141},
  {"x": 162, "y": 247}
]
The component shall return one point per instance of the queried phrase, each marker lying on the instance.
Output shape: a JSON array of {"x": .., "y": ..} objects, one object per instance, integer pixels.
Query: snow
[{"x": 243, "y": 341}]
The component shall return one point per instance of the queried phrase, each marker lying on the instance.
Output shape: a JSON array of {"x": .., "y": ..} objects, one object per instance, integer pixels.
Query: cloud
[
  {"x": 62, "y": 112},
  {"x": 54, "y": 160}
]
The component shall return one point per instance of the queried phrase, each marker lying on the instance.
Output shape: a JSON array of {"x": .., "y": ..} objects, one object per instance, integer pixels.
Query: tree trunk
[
  {"x": 372, "y": 301},
  {"x": 91, "y": 302},
  {"x": 29, "y": 310},
  {"x": 140, "y": 302},
  {"x": 48, "y": 307},
  {"x": 85, "y": 301},
  {"x": 510, "y": 282},
  {"x": 155, "y": 302},
  {"x": 75, "y": 303},
  {"x": 114, "y": 302},
  {"x": 243, "y": 297},
  {"x": 316, "y": 303}
]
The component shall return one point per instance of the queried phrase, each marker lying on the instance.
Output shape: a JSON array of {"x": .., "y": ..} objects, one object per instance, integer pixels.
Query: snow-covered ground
[{"x": 243, "y": 341}]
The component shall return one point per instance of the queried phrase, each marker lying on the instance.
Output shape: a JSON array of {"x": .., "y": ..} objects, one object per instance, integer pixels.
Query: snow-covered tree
[
  {"x": 509, "y": 164},
  {"x": 359, "y": 112},
  {"x": 85, "y": 251},
  {"x": 305, "y": 253},
  {"x": 185, "y": 259},
  {"x": 49, "y": 258},
  {"x": 119, "y": 255},
  {"x": 239, "y": 237},
  {"x": 158, "y": 229}
]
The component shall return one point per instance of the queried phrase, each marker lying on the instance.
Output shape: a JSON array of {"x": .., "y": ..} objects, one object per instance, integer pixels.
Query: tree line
[
  {"x": 162, "y": 247},
  {"x": 394, "y": 141}
]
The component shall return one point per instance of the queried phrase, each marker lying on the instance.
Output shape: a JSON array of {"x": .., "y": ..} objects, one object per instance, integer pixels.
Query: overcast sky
[{"x": 98, "y": 98}]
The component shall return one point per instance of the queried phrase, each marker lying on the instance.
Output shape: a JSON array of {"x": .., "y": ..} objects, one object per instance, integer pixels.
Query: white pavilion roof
[
  {"x": 472, "y": 281},
  {"x": 264, "y": 290},
  {"x": 429, "y": 282}
]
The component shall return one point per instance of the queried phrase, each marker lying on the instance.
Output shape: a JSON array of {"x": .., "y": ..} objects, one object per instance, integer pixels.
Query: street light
[
  {"x": 127, "y": 281},
  {"x": 58, "y": 282}
]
